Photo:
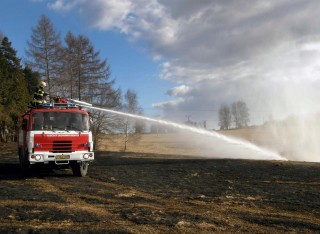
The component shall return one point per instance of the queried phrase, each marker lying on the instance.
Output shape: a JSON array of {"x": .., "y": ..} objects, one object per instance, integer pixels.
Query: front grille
[{"x": 62, "y": 147}]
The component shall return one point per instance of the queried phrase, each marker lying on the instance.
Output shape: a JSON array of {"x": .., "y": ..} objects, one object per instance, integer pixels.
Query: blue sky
[
  {"x": 131, "y": 64},
  {"x": 187, "y": 57}
]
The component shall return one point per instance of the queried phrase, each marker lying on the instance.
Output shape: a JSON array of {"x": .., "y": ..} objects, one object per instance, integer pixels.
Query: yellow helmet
[{"x": 43, "y": 84}]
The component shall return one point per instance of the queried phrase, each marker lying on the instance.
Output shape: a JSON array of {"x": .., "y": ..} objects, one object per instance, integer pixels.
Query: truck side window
[
  {"x": 85, "y": 122},
  {"x": 37, "y": 121}
]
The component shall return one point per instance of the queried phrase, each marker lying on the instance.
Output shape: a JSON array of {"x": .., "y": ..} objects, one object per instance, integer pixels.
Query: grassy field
[
  {"x": 173, "y": 143},
  {"x": 292, "y": 142},
  {"x": 182, "y": 143}
]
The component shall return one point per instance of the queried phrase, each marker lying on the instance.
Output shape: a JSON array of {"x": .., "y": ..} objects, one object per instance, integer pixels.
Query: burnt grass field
[{"x": 152, "y": 193}]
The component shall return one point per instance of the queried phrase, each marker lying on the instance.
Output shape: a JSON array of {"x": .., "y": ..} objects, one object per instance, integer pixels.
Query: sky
[{"x": 186, "y": 58}]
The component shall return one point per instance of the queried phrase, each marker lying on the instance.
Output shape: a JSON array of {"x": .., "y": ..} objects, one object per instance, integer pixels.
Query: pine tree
[
  {"x": 32, "y": 79},
  {"x": 14, "y": 95}
]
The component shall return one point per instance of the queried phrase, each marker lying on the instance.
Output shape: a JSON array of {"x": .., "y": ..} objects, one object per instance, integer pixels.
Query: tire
[{"x": 80, "y": 169}]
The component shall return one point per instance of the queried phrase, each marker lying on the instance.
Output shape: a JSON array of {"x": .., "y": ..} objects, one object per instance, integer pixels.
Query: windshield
[{"x": 60, "y": 121}]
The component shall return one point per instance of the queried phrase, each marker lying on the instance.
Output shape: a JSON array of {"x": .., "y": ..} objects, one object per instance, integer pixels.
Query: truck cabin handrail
[{"x": 58, "y": 105}]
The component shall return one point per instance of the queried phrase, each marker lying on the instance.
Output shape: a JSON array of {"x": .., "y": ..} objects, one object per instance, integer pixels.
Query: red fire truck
[{"x": 56, "y": 134}]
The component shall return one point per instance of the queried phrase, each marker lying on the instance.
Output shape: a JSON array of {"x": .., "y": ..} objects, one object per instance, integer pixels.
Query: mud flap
[{"x": 24, "y": 163}]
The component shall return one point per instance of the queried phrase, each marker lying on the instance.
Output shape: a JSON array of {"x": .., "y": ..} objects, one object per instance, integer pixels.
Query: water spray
[
  {"x": 80, "y": 103},
  {"x": 248, "y": 145}
]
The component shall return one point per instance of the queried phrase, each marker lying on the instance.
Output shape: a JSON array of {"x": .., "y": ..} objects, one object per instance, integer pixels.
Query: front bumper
[{"x": 60, "y": 158}]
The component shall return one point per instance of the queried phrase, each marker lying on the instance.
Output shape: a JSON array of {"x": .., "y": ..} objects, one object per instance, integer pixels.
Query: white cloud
[
  {"x": 224, "y": 50},
  {"x": 168, "y": 105},
  {"x": 61, "y": 5},
  {"x": 107, "y": 15},
  {"x": 179, "y": 90}
]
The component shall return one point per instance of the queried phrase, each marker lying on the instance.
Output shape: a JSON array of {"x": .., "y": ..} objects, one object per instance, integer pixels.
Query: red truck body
[{"x": 56, "y": 134}]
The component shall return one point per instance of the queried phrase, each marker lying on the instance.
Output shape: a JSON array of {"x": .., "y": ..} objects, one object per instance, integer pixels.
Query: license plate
[{"x": 62, "y": 156}]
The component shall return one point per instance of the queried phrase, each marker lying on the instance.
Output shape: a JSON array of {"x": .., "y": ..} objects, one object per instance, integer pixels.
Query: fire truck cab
[{"x": 57, "y": 135}]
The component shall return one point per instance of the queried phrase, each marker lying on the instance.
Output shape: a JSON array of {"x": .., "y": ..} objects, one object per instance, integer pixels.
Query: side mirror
[{"x": 24, "y": 124}]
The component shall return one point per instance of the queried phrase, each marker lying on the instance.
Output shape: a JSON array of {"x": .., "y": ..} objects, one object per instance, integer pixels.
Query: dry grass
[
  {"x": 182, "y": 143},
  {"x": 155, "y": 188},
  {"x": 173, "y": 143},
  {"x": 292, "y": 142}
]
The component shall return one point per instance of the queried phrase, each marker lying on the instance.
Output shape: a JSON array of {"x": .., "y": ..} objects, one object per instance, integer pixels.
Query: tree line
[
  {"x": 71, "y": 68},
  {"x": 15, "y": 89},
  {"x": 237, "y": 113}
]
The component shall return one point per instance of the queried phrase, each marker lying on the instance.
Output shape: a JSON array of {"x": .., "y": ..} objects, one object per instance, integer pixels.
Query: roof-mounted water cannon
[{"x": 80, "y": 103}]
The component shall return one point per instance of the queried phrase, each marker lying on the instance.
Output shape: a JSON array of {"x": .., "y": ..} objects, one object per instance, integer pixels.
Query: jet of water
[{"x": 270, "y": 155}]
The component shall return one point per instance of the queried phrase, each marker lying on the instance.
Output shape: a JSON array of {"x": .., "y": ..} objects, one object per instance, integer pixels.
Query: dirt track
[{"x": 145, "y": 193}]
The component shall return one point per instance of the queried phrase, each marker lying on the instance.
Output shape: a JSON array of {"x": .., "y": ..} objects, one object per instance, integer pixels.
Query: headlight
[
  {"x": 86, "y": 156},
  {"x": 37, "y": 157}
]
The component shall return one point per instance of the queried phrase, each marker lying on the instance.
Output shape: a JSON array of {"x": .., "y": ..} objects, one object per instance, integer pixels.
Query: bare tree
[
  {"x": 190, "y": 122},
  {"x": 75, "y": 71},
  {"x": 224, "y": 117},
  {"x": 240, "y": 113},
  {"x": 244, "y": 113},
  {"x": 139, "y": 125},
  {"x": 44, "y": 51},
  {"x": 131, "y": 101},
  {"x": 83, "y": 67},
  {"x": 131, "y": 106},
  {"x": 135, "y": 126},
  {"x": 102, "y": 122},
  {"x": 87, "y": 78}
]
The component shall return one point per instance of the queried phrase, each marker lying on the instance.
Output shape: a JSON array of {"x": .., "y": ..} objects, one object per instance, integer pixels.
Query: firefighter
[{"x": 39, "y": 95}]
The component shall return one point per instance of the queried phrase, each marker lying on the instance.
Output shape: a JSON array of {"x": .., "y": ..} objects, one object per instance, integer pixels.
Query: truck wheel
[{"x": 80, "y": 169}]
